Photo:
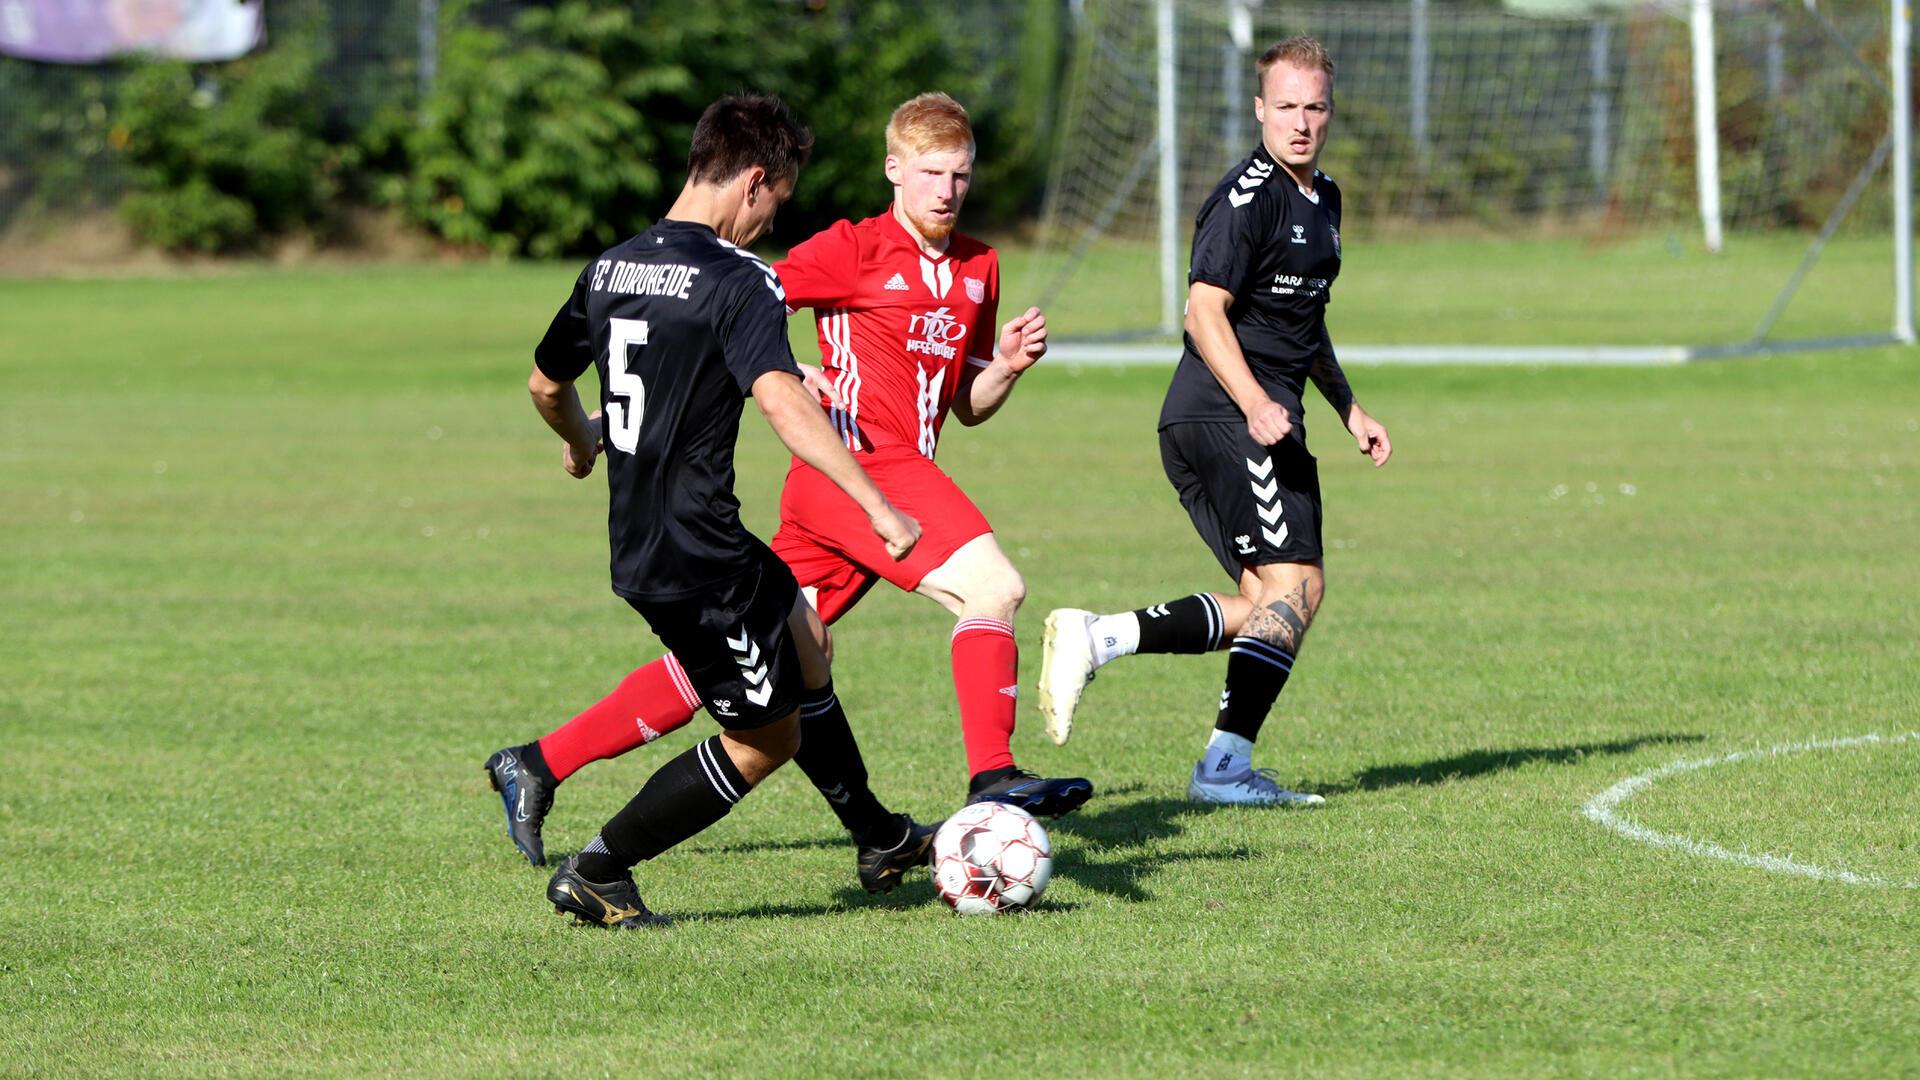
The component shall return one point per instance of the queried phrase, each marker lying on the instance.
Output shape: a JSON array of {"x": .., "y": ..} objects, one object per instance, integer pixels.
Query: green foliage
[
  {"x": 570, "y": 129},
  {"x": 55, "y": 147},
  {"x": 223, "y": 158},
  {"x": 533, "y": 143}
]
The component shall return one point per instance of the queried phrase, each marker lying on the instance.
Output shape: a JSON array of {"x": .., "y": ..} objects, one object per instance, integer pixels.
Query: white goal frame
[{"x": 1897, "y": 144}]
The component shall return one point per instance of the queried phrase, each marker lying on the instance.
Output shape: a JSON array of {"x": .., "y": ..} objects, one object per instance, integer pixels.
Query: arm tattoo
[
  {"x": 1332, "y": 381},
  {"x": 1284, "y": 622}
]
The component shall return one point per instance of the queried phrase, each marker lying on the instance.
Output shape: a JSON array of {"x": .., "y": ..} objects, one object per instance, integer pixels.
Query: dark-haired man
[
  {"x": 683, "y": 324},
  {"x": 906, "y": 308},
  {"x": 1266, "y": 249}
]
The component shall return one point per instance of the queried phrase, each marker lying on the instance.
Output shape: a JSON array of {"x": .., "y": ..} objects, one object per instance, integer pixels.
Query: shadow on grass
[{"x": 1482, "y": 762}]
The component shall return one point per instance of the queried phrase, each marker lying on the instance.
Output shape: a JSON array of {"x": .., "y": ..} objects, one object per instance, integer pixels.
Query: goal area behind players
[{"x": 1519, "y": 187}]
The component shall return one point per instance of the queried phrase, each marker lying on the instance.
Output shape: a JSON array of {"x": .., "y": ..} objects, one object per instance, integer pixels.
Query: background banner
[{"x": 90, "y": 31}]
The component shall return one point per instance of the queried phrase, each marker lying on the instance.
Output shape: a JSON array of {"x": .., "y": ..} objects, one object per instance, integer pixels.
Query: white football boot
[
  {"x": 1248, "y": 787},
  {"x": 1066, "y": 667}
]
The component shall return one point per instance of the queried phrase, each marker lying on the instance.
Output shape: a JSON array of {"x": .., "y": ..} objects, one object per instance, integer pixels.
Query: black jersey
[
  {"x": 679, "y": 323},
  {"x": 1277, "y": 250}
]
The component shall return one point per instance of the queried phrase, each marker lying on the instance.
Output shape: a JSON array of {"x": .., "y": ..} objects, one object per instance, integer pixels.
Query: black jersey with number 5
[
  {"x": 679, "y": 323},
  {"x": 1277, "y": 250}
]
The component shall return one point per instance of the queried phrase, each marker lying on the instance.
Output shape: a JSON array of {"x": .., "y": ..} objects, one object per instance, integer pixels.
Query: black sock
[
  {"x": 1191, "y": 624},
  {"x": 536, "y": 762},
  {"x": 688, "y": 794},
  {"x": 831, "y": 759},
  {"x": 1256, "y": 673}
]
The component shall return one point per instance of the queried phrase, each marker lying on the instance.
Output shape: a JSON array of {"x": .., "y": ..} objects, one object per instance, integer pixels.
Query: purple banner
[{"x": 90, "y": 31}]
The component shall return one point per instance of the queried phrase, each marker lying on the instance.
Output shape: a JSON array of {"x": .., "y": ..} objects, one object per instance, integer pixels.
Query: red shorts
[{"x": 825, "y": 540}]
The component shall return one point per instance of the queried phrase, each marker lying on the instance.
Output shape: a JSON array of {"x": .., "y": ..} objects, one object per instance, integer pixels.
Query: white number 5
[{"x": 623, "y": 421}]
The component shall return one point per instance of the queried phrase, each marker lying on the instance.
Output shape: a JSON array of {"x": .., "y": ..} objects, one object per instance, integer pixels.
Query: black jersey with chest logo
[
  {"x": 679, "y": 324},
  {"x": 1277, "y": 250}
]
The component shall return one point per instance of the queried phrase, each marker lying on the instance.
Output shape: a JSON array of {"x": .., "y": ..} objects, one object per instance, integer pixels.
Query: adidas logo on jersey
[{"x": 896, "y": 283}]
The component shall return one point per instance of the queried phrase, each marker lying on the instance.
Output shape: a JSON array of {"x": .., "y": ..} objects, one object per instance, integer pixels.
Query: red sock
[
  {"x": 647, "y": 704},
  {"x": 986, "y": 675}
]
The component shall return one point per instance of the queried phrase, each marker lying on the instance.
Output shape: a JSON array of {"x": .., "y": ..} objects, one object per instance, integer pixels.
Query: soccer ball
[{"x": 991, "y": 857}]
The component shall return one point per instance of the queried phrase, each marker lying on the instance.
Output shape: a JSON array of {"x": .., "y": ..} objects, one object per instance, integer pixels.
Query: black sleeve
[
  {"x": 751, "y": 325},
  {"x": 1226, "y": 243},
  {"x": 567, "y": 351}
]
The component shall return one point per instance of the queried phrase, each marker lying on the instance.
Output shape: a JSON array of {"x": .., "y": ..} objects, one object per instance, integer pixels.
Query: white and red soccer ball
[{"x": 991, "y": 857}]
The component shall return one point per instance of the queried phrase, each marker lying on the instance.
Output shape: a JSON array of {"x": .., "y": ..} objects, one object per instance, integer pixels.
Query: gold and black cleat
[
  {"x": 591, "y": 903},
  {"x": 881, "y": 868}
]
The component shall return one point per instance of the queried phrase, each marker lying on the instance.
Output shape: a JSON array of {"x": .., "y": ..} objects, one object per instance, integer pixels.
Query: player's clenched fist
[
  {"x": 578, "y": 460},
  {"x": 899, "y": 531},
  {"x": 1269, "y": 424},
  {"x": 1024, "y": 340}
]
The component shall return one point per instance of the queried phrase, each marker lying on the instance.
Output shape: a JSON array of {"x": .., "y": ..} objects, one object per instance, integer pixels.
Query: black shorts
[
  {"x": 734, "y": 643},
  {"x": 1253, "y": 505}
]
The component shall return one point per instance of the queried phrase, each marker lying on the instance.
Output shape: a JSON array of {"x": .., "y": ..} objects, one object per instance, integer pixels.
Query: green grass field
[{"x": 284, "y": 555}]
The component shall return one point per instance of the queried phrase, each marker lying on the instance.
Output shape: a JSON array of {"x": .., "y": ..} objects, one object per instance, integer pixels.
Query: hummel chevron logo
[
  {"x": 1239, "y": 198},
  {"x": 896, "y": 283},
  {"x": 747, "y": 655},
  {"x": 1267, "y": 497},
  {"x": 1249, "y": 182},
  {"x": 1156, "y": 611}
]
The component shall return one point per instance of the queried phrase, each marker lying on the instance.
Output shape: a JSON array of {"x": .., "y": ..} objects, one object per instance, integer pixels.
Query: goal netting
[{"x": 1518, "y": 184}]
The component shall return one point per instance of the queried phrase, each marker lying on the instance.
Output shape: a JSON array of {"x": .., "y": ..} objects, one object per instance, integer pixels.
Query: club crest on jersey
[
  {"x": 934, "y": 333},
  {"x": 976, "y": 289}
]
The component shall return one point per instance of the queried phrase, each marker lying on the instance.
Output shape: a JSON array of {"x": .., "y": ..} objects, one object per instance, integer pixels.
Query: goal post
[{"x": 1538, "y": 185}]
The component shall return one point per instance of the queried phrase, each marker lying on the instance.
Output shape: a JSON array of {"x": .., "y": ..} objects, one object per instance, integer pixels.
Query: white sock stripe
[
  {"x": 1254, "y": 644},
  {"x": 819, "y": 707},
  {"x": 1216, "y": 620},
  {"x": 983, "y": 626},
  {"x": 704, "y": 753},
  {"x": 1288, "y": 668},
  {"x": 681, "y": 683},
  {"x": 1261, "y": 651}
]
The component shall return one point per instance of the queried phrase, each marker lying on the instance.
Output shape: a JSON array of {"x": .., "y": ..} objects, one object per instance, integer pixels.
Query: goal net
[{"x": 1647, "y": 183}]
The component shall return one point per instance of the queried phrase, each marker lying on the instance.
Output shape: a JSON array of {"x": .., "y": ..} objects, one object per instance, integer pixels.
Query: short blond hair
[
  {"x": 929, "y": 122},
  {"x": 1300, "y": 52}
]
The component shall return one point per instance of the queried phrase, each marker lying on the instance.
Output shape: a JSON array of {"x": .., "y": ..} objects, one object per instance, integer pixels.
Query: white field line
[{"x": 1604, "y": 807}]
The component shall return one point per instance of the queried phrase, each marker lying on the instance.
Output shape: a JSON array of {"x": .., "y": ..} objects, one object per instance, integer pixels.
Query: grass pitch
[{"x": 284, "y": 556}]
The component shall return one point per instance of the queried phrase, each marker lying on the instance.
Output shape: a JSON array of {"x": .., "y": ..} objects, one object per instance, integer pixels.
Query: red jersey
[{"x": 897, "y": 326}]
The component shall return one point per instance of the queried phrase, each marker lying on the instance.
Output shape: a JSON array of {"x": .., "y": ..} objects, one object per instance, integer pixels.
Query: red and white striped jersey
[{"x": 897, "y": 326}]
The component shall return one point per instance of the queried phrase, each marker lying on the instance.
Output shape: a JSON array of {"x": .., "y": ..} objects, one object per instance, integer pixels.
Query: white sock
[
  {"x": 1114, "y": 636},
  {"x": 1227, "y": 755}
]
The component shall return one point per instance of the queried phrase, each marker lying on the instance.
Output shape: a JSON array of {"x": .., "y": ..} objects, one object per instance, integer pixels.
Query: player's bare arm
[
  {"x": 559, "y": 405},
  {"x": 1022, "y": 342},
  {"x": 1370, "y": 434},
  {"x": 1207, "y": 306},
  {"x": 794, "y": 414}
]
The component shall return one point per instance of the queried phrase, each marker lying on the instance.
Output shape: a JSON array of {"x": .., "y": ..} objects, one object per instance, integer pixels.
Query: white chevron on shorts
[
  {"x": 1267, "y": 500},
  {"x": 746, "y": 653}
]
